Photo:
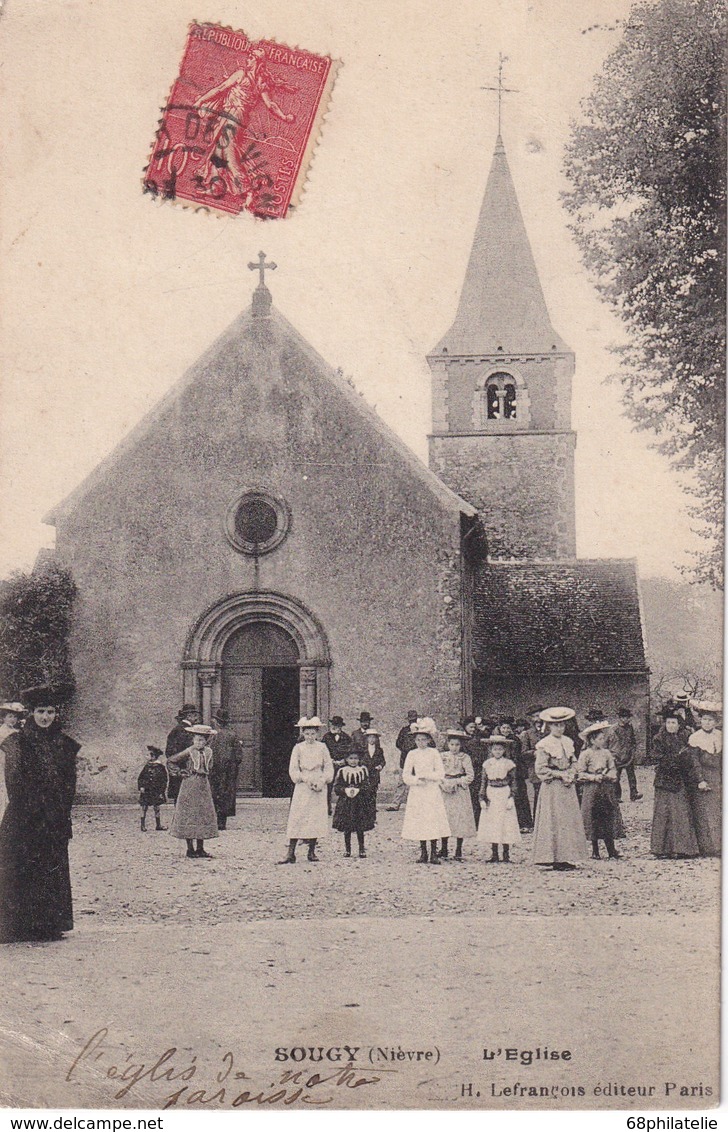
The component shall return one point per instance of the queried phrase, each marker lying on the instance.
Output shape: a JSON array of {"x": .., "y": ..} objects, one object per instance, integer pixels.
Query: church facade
[{"x": 264, "y": 542}]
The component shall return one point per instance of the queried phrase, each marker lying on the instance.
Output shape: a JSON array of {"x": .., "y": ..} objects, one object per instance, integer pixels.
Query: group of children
[
  {"x": 439, "y": 806},
  {"x": 576, "y": 799}
]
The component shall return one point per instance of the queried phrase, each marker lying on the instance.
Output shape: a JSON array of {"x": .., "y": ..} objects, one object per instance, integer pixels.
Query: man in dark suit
[
  {"x": 339, "y": 745},
  {"x": 177, "y": 740},
  {"x": 405, "y": 742}
]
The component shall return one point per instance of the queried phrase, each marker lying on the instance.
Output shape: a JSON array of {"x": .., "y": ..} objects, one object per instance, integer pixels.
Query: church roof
[
  {"x": 502, "y": 305},
  {"x": 581, "y": 616},
  {"x": 244, "y": 330}
]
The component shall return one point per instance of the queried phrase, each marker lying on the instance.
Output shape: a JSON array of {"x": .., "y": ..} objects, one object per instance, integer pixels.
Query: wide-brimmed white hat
[
  {"x": 201, "y": 729},
  {"x": 304, "y": 721},
  {"x": 15, "y": 707},
  {"x": 602, "y": 725},
  {"x": 557, "y": 714}
]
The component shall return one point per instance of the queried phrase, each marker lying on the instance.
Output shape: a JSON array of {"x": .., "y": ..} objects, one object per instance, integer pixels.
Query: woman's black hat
[{"x": 46, "y": 695}]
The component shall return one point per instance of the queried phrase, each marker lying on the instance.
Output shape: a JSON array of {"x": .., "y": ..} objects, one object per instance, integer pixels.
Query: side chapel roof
[{"x": 581, "y": 616}]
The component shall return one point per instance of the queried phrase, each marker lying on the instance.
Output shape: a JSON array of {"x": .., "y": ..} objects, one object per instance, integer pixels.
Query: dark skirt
[
  {"x": 600, "y": 811},
  {"x": 706, "y": 811},
  {"x": 355, "y": 815},
  {"x": 523, "y": 806},
  {"x": 673, "y": 832},
  {"x": 35, "y": 891}
]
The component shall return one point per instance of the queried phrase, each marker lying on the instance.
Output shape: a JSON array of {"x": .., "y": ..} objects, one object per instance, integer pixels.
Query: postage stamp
[{"x": 241, "y": 124}]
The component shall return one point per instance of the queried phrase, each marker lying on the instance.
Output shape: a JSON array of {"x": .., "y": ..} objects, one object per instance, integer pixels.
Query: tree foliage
[
  {"x": 647, "y": 167},
  {"x": 35, "y": 623}
]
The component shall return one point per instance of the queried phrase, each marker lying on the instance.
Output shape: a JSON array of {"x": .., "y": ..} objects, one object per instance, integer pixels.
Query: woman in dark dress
[
  {"x": 40, "y": 774},
  {"x": 673, "y": 827}
]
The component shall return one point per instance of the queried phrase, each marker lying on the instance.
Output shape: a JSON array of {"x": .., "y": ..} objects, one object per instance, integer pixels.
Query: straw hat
[
  {"x": 557, "y": 714},
  {"x": 304, "y": 721},
  {"x": 201, "y": 729},
  {"x": 600, "y": 725},
  {"x": 14, "y": 707}
]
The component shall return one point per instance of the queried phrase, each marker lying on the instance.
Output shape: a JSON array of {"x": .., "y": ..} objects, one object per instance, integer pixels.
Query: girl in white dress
[
  {"x": 311, "y": 769},
  {"x": 425, "y": 817},
  {"x": 498, "y": 817}
]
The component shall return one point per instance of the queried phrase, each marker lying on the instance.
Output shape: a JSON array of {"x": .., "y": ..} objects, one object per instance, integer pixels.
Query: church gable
[{"x": 259, "y": 400}]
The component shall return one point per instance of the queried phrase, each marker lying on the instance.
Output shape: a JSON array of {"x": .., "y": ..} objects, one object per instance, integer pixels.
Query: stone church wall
[
  {"x": 515, "y": 694},
  {"x": 371, "y": 552},
  {"x": 523, "y": 484}
]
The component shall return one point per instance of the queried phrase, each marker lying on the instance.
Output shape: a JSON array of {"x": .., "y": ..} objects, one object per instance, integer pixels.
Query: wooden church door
[
  {"x": 242, "y": 692},
  {"x": 261, "y": 692}
]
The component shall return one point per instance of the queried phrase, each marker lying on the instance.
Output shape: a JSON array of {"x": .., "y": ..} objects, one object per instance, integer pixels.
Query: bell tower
[{"x": 501, "y": 391}]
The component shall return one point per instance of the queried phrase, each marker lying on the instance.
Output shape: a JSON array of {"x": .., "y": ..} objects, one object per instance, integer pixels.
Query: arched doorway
[
  {"x": 265, "y": 659},
  {"x": 260, "y": 688}
]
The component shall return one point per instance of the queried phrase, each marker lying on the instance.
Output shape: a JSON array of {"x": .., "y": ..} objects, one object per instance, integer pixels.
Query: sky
[{"x": 108, "y": 296}]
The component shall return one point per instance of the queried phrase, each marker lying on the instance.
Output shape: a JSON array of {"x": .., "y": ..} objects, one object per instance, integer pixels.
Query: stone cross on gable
[
  {"x": 500, "y": 89},
  {"x": 261, "y": 267}
]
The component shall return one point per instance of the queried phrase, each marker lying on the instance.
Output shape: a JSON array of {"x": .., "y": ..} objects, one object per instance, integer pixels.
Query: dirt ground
[{"x": 231, "y": 959}]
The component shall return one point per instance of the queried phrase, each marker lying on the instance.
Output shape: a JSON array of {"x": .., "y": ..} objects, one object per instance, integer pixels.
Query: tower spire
[{"x": 502, "y": 306}]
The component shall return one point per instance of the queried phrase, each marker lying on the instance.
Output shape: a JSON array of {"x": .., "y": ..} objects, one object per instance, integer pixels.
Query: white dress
[
  {"x": 498, "y": 821},
  {"x": 425, "y": 818},
  {"x": 310, "y": 769}
]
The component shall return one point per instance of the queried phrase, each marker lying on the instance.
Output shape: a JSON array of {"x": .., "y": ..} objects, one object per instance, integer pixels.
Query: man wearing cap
[
  {"x": 359, "y": 736},
  {"x": 622, "y": 742},
  {"x": 178, "y": 740},
  {"x": 227, "y": 755},
  {"x": 339, "y": 744}
]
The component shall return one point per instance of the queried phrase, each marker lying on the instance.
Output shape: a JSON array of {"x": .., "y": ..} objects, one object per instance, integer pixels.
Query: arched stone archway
[{"x": 253, "y": 620}]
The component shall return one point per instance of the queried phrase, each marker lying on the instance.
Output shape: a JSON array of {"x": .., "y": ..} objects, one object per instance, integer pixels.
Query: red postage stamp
[{"x": 241, "y": 124}]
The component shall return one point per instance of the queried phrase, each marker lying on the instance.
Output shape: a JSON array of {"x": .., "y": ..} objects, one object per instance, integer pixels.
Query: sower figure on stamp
[
  {"x": 178, "y": 740},
  {"x": 152, "y": 786},
  {"x": 230, "y": 105},
  {"x": 622, "y": 742},
  {"x": 227, "y": 755}
]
